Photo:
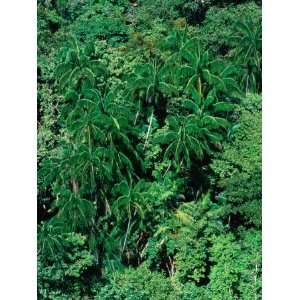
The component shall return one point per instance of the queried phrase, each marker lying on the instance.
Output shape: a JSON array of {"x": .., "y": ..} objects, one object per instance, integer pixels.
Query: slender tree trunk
[
  {"x": 92, "y": 167},
  {"x": 149, "y": 128},
  {"x": 75, "y": 186},
  {"x": 127, "y": 232},
  {"x": 137, "y": 113},
  {"x": 199, "y": 86},
  {"x": 255, "y": 280}
]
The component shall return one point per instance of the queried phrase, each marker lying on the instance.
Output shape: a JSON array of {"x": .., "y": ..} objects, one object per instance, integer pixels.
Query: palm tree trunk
[
  {"x": 126, "y": 235},
  {"x": 75, "y": 186},
  {"x": 92, "y": 167},
  {"x": 137, "y": 113},
  {"x": 199, "y": 86},
  {"x": 149, "y": 128}
]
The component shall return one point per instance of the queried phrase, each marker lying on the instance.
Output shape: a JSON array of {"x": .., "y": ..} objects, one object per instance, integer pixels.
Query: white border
[
  {"x": 18, "y": 149},
  {"x": 281, "y": 150}
]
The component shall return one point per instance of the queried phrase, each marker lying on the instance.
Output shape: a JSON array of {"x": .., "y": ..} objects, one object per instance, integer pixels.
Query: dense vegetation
[{"x": 149, "y": 149}]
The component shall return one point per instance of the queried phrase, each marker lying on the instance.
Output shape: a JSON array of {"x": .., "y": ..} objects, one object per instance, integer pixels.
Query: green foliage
[
  {"x": 158, "y": 9},
  {"x": 238, "y": 168},
  {"x": 137, "y": 284},
  {"x": 149, "y": 153},
  {"x": 62, "y": 276},
  {"x": 74, "y": 212},
  {"x": 195, "y": 134},
  {"x": 129, "y": 204},
  {"x": 190, "y": 260},
  {"x": 236, "y": 273},
  {"x": 102, "y": 21},
  {"x": 219, "y": 26},
  {"x": 77, "y": 71},
  {"x": 47, "y": 115},
  {"x": 188, "y": 136},
  {"x": 151, "y": 82},
  {"x": 248, "y": 54},
  {"x": 136, "y": 211},
  {"x": 119, "y": 63},
  {"x": 71, "y": 9},
  {"x": 50, "y": 241},
  {"x": 48, "y": 24},
  {"x": 171, "y": 9},
  {"x": 207, "y": 75}
]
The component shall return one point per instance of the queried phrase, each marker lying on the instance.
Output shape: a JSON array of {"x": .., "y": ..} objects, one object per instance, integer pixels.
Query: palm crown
[
  {"x": 77, "y": 70},
  {"x": 204, "y": 74},
  {"x": 248, "y": 53},
  {"x": 192, "y": 135}
]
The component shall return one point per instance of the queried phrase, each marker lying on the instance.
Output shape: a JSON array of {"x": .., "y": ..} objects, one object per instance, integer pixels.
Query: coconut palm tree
[
  {"x": 78, "y": 70},
  {"x": 205, "y": 74},
  {"x": 195, "y": 134},
  {"x": 76, "y": 213},
  {"x": 50, "y": 240},
  {"x": 130, "y": 205},
  {"x": 150, "y": 81},
  {"x": 248, "y": 53},
  {"x": 151, "y": 84}
]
